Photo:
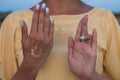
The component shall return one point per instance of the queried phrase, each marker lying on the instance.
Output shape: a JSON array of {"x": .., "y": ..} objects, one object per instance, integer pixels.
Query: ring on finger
[{"x": 83, "y": 37}]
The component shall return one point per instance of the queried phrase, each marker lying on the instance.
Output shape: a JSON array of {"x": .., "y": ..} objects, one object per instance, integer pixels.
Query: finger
[
  {"x": 94, "y": 39},
  {"x": 70, "y": 47},
  {"x": 41, "y": 19},
  {"x": 35, "y": 19},
  {"x": 51, "y": 30},
  {"x": 51, "y": 38},
  {"x": 89, "y": 41},
  {"x": 24, "y": 31},
  {"x": 78, "y": 32},
  {"x": 84, "y": 28},
  {"x": 47, "y": 24}
]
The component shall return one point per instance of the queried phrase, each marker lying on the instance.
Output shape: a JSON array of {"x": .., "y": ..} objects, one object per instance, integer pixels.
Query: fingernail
[
  {"x": 43, "y": 6},
  {"x": 21, "y": 23},
  {"x": 47, "y": 10},
  {"x": 52, "y": 20},
  {"x": 37, "y": 6}
]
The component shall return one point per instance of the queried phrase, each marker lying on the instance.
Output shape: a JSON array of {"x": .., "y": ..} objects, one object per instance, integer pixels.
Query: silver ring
[
  {"x": 33, "y": 50},
  {"x": 83, "y": 37}
]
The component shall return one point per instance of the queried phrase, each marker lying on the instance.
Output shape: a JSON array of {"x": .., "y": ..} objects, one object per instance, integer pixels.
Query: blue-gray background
[{"x": 12, "y": 5}]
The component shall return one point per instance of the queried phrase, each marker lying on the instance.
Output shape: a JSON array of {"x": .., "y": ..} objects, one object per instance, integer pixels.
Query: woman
[{"x": 46, "y": 58}]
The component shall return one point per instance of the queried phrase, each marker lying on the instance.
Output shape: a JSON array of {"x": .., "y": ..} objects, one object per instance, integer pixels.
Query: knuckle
[
  {"x": 37, "y": 39},
  {"x": 40, "y": 39},
  {"x": 34, "y": 20},
  {"x": 46, "y": 42},
  {"x": 32, "y": 36}
]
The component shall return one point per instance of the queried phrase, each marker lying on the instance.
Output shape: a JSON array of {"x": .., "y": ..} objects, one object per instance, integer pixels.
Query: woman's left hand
[{"x": 82, "y": 52}]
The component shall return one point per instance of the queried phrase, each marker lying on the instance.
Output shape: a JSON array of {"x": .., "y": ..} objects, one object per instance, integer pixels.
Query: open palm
[{"x": 82, "y": 53}]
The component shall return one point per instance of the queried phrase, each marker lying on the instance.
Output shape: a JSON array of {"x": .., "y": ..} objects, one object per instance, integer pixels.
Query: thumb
[
  {"x": 70, "y": 46},
  {"x": 24, "y": 31}
]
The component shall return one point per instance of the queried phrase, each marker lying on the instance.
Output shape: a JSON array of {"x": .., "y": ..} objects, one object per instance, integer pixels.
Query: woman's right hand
[{"x": 38, "y": 44}]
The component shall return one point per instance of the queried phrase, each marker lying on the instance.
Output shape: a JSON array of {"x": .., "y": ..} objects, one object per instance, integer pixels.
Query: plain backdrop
[{"x": 12, "y": 5}]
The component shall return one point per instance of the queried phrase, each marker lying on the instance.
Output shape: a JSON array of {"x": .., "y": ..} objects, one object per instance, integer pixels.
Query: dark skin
[
  {"x": 68, "y": 7},
  {"x": 81, "y": 61}
]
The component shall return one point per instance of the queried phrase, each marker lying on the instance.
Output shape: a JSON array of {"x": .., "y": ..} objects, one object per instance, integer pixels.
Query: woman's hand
[
  {"x": 82, "y": 52},
  {"x": 37, "y": 45}
]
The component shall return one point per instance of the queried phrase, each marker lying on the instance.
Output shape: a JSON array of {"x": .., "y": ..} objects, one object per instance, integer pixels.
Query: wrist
[
  {"x": 94, "y": 76},
  {"x": 27, "y": 66},
  {"x": 28, "y": 69},
  {"x": 97, "y": 76},
  {"x": 90, "y": 76},
  {"x": 25, "y": 72}
]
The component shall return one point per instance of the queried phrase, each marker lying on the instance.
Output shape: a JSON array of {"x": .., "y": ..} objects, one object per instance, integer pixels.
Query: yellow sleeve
[
  {"x": 0, "y": 46},
  {"x": 8, "y": 57},
  {"x": 0, "y": 53},
  {"x": 112, "y": 56}
]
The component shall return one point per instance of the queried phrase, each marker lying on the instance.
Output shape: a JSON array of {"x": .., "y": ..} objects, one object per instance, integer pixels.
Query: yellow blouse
[{"x": 56, "y": 66}]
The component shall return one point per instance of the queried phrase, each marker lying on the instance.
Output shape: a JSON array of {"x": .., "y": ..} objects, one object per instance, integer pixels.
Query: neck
[
  {"x": 69, "y": 7},
  {"x": 63, "y": 6}
]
